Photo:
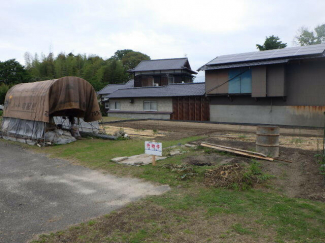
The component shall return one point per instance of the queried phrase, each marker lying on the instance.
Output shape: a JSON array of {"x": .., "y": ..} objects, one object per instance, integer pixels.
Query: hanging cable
[{"x": 218, "y": 86}]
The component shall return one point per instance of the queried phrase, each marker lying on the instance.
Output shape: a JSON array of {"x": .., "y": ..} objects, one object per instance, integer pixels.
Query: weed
[
  {"x": 297, "y": 141},
  {"x": 91, "y": 222},
  {"x": 238, "y": 228},
  {"x": 139, "y": 236},
  {"x": 320, "y": 158},
  {"x": 242, "y": 136}
]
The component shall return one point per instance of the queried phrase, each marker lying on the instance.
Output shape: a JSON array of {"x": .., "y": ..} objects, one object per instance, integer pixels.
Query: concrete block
[
  {"x": 119, "y": 159},
  {"x": 138, "y": 160}
]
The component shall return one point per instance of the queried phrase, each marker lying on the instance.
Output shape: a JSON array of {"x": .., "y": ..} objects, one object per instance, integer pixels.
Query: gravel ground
[{"x": 39, "y": 194}]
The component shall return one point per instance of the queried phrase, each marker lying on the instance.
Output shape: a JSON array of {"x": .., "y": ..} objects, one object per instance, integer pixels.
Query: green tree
[
  {"x": 271, "y": 42},
  {"x": 132, "y": 59},
  {"x": 306, "y": 37},
  {"x": 47, "y": 66},
  {"x": 119, "y": 54},
  {"x": 3, "y": 91},
  {"x": 93, "y": 68},
  {"x": 114, "y": 72},
  {"x": 12, "y": 72}
]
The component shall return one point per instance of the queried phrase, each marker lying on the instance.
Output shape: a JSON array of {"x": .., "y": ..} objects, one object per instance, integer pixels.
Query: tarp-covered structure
[{"x": 30, "y": 108}]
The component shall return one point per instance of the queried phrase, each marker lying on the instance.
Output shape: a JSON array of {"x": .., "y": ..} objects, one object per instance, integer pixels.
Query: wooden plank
[
  {"x": 177, "y": 108},
  {"x": 237, "y": 152},
  {"x": 207, "y": 106},
  {"x": 192, "y": 109},
  {"x": 180, "y": 101},
  {"x": 241, "y": 150}
]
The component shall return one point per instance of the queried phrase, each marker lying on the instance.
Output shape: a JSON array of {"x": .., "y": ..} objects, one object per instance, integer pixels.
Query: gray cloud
[{"x": 201, "y": 30}]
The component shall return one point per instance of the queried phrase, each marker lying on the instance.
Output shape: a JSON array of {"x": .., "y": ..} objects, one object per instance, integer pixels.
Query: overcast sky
[{"x": 201, "y": 30}]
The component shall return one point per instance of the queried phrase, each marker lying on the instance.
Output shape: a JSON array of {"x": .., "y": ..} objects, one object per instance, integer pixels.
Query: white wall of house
[{"x": 139, "y": 110}]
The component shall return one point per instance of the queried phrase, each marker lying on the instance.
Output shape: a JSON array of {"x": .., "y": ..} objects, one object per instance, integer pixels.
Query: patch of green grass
[
  {"x": 139, "y": 236},
  {"x": 180, "y": 211},
  {"x": 238, "y": 228},
  {"x": 242, "y": 136},
  {"x": 297, "y": 141},
  {"x": 97, "y": 154},
  {"x": 91, "y": 222},
  {"x": 304, "y": 218}
]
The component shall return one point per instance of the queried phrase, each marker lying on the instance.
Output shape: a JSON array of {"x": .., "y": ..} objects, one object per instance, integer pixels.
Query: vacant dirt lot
[
  {"x": 167, "y": 130},
  {"x": 301, "y": 178}
]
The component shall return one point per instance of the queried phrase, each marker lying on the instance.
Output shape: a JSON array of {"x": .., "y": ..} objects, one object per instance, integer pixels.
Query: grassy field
[{"x": 190, "y": 212}]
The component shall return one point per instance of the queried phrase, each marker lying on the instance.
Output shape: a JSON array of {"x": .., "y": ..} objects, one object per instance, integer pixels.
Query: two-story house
[
  {"x": 280, "y": 87},
  {"x": 163, "y": 89},
  {"x": 162, "y": 72}
]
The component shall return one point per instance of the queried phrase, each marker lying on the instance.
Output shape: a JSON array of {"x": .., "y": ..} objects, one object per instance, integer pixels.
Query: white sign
[{"x": 153, "y": 148}]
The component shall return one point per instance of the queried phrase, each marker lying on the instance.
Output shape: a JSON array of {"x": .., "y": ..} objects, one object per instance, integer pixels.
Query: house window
[
  {"x": 106, "y": 105},
  {"x": 150, "y": 106},
  {"x": 241, "y": 81},
  {"x": 170, "y": 80},
  {"x": 115, "y": 105},
  {"x": 156, "y": 81}
]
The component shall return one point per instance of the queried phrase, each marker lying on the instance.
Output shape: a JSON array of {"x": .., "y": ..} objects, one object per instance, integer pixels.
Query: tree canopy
[
  {"x": 3, "y": 91},
  {"x": 271, "y": 42},
  {"x": 93, "y": 68},
  {"x": 306, "y": 37},
  {"x": 12, "y": 72},
  {"x": 119, "y": 54}
]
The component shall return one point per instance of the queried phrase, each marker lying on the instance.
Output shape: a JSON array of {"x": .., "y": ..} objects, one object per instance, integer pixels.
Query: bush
[
  {"x": 102, "y": 109},
  {"x": 235, "y": 176},
  {"x": 3, "y": 91}
]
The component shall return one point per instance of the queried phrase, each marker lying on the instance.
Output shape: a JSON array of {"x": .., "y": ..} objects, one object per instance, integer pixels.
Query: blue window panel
[
  {"x": 234, "y": 84},
  {"x": 246, "y": 82}
]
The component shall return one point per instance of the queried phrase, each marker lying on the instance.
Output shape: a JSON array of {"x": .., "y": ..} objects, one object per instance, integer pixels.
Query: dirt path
[
  {"x": 198, "y": 128},
  {"x": 307, "y": 139}
]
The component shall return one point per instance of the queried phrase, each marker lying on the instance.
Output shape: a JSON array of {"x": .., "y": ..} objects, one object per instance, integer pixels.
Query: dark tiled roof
[
  {"x": 246, "y": 64},
  {"x": 172, "y": 90},
  {"x": 108, "y": 89},
  {"x": 162, "y": 64},
  {"x": 257, "y": 56}
]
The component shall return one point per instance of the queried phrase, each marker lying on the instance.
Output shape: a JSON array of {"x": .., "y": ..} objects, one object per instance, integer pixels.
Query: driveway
[{"x": 39, "y": 194}]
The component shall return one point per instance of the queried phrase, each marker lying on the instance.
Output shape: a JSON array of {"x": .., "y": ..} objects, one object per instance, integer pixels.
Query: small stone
[
  {"x": 175, "y": 152},
  {"x": 118, "y": 159},
  {"x": 138, "y": 163},
  {"x": 190, "y": 145}
]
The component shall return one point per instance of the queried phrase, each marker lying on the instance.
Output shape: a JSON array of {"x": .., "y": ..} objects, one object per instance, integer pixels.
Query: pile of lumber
[{"x": 241, "y": 152}]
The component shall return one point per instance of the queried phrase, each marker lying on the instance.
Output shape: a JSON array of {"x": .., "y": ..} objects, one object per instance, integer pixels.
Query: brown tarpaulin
[{"x": 67, "y": 96}]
